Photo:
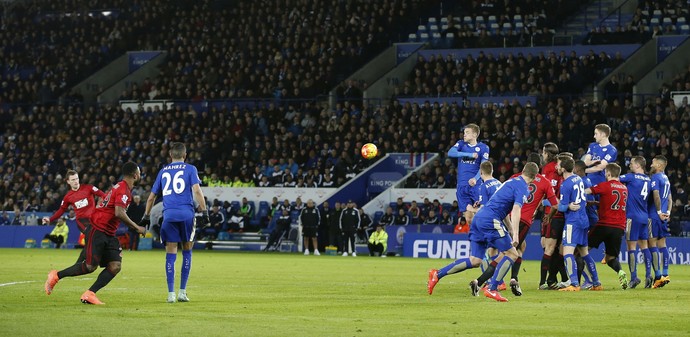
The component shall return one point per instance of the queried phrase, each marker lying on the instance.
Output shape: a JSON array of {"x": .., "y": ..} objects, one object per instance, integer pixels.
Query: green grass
[{"x": 253, "y": 294}]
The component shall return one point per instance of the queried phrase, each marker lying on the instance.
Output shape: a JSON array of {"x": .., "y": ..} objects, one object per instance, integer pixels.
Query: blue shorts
[
  {"x": 574, "y": 236},
  {"x": 658, "y": 229},
  {"x": 491, "y": 233},
  {"x": 178, "y": 231},
  {"x": 636, "y": 229},
  {"x": 466, "y": 195}
]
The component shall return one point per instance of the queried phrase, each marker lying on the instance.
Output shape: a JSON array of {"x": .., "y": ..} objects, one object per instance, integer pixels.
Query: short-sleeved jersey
[
  {"x": 613, "y": 196},
  {"x": 174, "y": 182},
  {"x": 659, "y": 183},
  {"x": 573, "y": 190},
  {"x": 103, "y": 217},
  {"x": 638, "y": 194},
  {"x": 487, "y": 189},
  {"x": 598, "y": 152},
  {"x": 81, "y": 200},
  {"x": 592, "y": 212},
  {"x": 539, "y": 189},
  {"x": 512, "y": 192},
  {"x": 469, "y": 166},
  {"x": 549, "y": 171}
]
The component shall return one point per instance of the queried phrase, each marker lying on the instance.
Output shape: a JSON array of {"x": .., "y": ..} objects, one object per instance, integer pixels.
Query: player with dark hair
[
  {"x": 470, "y": 154},
  {"x": 609, "y": 229},
  {"x": 573, "y": 204},
  {"x": 179, "y": 184},
  {"x": 552, "y": 262},
  {"x": 488, "y": 230},
  {"x": 102, "y": 247},
  {"x": 659, "y": 210},
  {"x": 599, "y": 154},
  {"x": 636, "y": 231},
  {"x": 592, "y": 212}
]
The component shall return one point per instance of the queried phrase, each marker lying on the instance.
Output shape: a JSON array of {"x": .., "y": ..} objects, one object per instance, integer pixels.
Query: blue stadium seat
[
  {"x": 412, "y": 37},
  {"x": 294, "y": 216},
  {"x": 394, "y": 206},
  {"x": 377, "y": 216},
  {"x": 685, "y": 29}
]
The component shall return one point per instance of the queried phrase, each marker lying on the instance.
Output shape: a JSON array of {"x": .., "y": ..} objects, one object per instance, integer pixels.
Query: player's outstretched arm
[
  {"x": 146, "y": 219},
  {"x": 122, "y": 215}
]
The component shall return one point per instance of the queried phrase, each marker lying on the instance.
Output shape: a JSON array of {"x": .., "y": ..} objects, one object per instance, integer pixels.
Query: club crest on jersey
[
  {"x": 124, "y": 199},
  {"x": 476, "y": 148}
]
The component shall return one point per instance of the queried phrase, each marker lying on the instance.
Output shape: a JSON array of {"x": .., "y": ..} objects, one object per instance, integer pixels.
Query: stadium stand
[{"x": 44, "y": 132}]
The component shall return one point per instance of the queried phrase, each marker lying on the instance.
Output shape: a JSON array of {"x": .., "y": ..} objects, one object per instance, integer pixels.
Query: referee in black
[
  {"x": 310, "y": 219},
  {"x": 349, "y": 222}
]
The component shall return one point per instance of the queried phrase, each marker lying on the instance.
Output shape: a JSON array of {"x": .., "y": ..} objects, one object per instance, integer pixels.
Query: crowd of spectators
[
  {"x": 492, "y": 23},
  {"x": 650, "y": 19},
  {"x": 271, "y": 49},
  {"x": 49, "y": 46},
  {"x": 485, "y": 74},
  {"x": 290, "y": 145}
]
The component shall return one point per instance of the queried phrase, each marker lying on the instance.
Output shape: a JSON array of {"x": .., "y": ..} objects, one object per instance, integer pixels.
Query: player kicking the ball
[{"x": 488, "y": 230}]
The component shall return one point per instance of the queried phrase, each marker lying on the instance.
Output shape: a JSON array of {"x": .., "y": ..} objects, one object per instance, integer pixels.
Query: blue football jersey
[
  {"x": 469, "y": 166},
  {"x": 573, "y": 190},
  {"x": 175, "y": 183},
  {"x": 487, "y": 189},
  {"x": 592, "y": 213},
  {"x": 513, "y": 191},
  {"x": 638, "y": 194},
  {"x": 659, "y": 183},
  {"x": 598, "y": 152}
]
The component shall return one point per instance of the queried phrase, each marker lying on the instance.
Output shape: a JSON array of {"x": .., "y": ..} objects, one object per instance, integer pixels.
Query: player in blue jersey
[
  {"x": 470, "y": 155},
  {"x": 659, "y": 210},
  {"x": 599, "y": 154},
  {"x": 636, "y": 231},
  {"x": 486, "y": 190},
  {"x": 488, "y": 185},
  {"x": 576, "y": 226},
  {"x": 488, "y": 230},
  {"x": 591, "y": 208},
  {"x": 179, "y": 184}
]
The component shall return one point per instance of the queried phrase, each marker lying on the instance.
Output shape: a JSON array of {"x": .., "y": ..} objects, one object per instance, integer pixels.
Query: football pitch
[{"x": 273, "y": 294}]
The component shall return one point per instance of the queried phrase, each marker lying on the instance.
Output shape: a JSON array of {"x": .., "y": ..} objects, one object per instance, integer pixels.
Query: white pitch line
[{"x": 13, "y": 283}]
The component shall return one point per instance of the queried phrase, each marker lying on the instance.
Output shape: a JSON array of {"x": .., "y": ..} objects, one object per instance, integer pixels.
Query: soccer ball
[{"x": 369, "y": 151}]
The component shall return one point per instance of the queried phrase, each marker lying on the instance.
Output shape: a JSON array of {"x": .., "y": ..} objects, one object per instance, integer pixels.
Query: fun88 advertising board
[{"x": 456, "y": 246}]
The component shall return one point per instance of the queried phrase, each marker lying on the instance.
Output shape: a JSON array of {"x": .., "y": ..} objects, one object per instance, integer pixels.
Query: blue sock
[
  {"x": 591, "y": 266},
  {"x": 455, "y": 267},
  {"x": 647, "y": 262},
  {"x": 186, "y": 267},
  {"x": 170, "y": 270},
  {"x": 571, "y": 268},
  {"x": 502, "y": 268},
  {"x": 656, "y": 261},
  {"x": 632, "y": 263},
  {"x": 664, "y": 260}
]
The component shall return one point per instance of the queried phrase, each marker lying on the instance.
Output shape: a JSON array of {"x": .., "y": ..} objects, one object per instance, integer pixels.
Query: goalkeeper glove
[
  {"x": 145, "y": 221},
  {"x": 204, "y": 218}
]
